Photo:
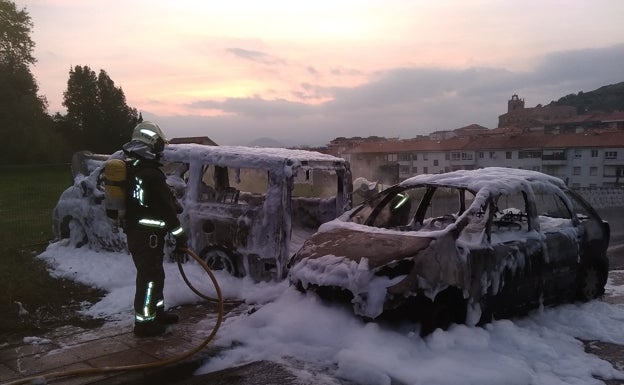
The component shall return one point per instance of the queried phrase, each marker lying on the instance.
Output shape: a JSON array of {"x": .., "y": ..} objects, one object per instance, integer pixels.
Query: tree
[
  {"x": 15, "y": 43},
  {"x": 24, "y": 123},
  {"x": 98, "y": 118},
  {"x": 117, "y": 117}
]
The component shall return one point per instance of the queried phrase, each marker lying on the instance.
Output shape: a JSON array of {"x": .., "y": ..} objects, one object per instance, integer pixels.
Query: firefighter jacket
[{"x": 150, "y": 201}]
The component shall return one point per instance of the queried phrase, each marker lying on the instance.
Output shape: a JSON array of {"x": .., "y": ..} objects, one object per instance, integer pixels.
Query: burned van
[{"x": 246, "y": 209}]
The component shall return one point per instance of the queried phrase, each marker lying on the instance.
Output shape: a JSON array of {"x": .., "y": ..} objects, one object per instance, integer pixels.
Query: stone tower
[{"x": 515, "y": 104}]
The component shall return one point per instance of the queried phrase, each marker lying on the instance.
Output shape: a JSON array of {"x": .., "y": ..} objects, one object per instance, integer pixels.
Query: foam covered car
[{"x": 459, "y": 247}]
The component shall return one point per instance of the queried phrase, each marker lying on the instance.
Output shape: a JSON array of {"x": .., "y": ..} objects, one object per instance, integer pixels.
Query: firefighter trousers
[{"x": 146, "y": 246}]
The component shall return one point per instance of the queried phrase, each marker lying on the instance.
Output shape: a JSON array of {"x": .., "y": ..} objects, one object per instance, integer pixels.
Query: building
[
  {"x": 519, "y": 116},
  {"x": 592, "y": 158}
]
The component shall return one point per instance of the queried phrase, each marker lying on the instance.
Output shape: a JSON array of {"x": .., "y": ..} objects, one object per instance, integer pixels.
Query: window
[
  {"x": 553, "y": 214},
  {"x": 529, "y": 154},
  {"x": 466, "y": 156},
  {"x": 414, "y": 156},
  {"x": 593, "y": 171},
  {"x": 435, "y": 162},
  {"x": 425, "y": 170},
  {"x": 447, "y": 156},
  {"x": 404, "y": 157},
  {"x": 414, "y": 170},
  {"x": 578, "y": 154},
  {"x": 492, "y": 154},
  {"x": 508, "y": 155},
  {"x": 455, "y": 156},
  {"x": 610, "y": 154},
  {"x": 481, "y": 155},
  {"x": 404, "y": 169},
  {"x": 509, "y": 215},
  {"x": 425, "y": 156},
  {"x": 392, "y": 157},
  {"x": 576, "y": 171},
  {"x": 594, "y": 153},
  {"x": 215, "y": 184},
  {"x": 553, "y": 155}
]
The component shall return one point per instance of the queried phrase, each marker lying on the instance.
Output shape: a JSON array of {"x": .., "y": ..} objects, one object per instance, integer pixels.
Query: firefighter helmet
[{"x": 150, "y": 134}]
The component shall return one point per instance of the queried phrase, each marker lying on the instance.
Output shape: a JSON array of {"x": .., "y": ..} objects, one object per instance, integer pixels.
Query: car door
[
  {"x": 516, "y": 255},
  {"x": 562, "y": 236}
]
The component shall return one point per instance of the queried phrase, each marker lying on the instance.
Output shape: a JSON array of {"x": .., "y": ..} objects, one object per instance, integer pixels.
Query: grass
[{"x": 27, "y": 197}]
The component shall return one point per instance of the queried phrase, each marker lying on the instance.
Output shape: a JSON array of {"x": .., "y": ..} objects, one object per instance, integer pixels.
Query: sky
[
  {"x": 304, "y": 73},
  {"x": 316, "y": 340}
]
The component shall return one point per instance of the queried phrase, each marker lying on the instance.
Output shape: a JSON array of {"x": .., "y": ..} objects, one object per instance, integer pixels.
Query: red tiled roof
[
  {"x": 410, "y": 145},
  {"x": 587, "y": 139},
  {"x": 514, "y": 140}
]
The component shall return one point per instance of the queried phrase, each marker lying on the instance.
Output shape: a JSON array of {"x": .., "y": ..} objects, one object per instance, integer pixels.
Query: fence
[{"x": 602, "y": 198}]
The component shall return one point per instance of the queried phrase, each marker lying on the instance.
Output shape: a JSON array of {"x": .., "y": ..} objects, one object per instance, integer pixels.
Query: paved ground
[{"x": 72, "y": 348}]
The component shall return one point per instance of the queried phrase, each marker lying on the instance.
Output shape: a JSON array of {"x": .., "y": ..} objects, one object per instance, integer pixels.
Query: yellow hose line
[{"x": 41, "y": 379}]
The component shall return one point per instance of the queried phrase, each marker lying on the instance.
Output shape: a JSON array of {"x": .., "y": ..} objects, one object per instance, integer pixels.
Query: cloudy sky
[{"x": 305, "y": 72}]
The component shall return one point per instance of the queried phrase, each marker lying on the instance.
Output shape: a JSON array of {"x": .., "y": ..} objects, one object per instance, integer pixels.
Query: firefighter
[{"x": 151, "y": 213}]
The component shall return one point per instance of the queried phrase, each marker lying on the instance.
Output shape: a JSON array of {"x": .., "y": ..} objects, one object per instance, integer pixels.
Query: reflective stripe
[
  {"x": 140, "y": 318},
  {"x": 138, "y": 193},
  {"x": 160, "y": 303},
  {"x": 404, "y": 198},
  {"x": 148, "y": 299},
  {"x": 147, "y": 132},
  {"x": 179, "y": 230},
  {"x": 152, "y": 222}
]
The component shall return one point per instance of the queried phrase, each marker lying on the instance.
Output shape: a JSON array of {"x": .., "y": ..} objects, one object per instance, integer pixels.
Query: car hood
[{"x": 380, "y": 248}]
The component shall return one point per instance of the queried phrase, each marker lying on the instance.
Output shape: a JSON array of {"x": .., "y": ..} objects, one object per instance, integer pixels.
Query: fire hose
[{"x": 42, "y": 379}]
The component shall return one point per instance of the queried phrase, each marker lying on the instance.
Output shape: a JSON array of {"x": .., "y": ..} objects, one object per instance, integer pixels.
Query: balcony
[{"x": 554, "y": 159}]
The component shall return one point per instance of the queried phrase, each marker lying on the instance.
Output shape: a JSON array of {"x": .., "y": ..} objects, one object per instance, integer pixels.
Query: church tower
[{"x": 515, "y": 104}]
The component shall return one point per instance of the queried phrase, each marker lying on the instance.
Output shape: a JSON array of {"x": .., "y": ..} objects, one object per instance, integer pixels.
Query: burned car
[
  {"x": 460, "y": 247},
  {"x": 245, "y": 209}
]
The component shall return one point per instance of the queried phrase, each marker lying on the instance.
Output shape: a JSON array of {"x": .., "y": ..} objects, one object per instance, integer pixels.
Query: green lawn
[{"x": 27, "y": 196}]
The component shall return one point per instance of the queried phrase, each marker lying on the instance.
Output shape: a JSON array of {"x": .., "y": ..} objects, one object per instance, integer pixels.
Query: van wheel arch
[
  {"x": 222, "y": 258},
  {"x": 73, "y": 230}
]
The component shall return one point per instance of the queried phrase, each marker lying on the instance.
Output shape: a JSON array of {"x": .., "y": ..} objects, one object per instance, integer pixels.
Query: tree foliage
[
  {"x": 604, "y": 99},
  {"x": 24, "y": 123},
  {"x": 98, "y": 118},
  {"x": 15, "y": 43}
]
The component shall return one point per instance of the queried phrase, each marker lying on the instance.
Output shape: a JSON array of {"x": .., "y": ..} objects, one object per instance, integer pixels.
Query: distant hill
[
  {"x": 605, "y": 99},
  {"x": 266, "y": 142}
]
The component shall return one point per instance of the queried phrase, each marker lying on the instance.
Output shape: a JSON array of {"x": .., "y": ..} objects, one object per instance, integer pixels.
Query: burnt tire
[
  {"x": 218, "y": 258},
  {"x": 448, "y": 308},
  {"x": 74, "y": 232},
  {"x": 592, "y": 279}
]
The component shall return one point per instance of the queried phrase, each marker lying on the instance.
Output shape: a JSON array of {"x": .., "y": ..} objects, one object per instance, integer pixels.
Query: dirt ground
[{"x": 58, "y": 306}]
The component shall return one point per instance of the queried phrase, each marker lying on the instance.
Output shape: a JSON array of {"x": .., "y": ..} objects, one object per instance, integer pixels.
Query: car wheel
[
  {"x": 592, "y": 278},
  {"x": 448, "y": 308},
  {"x": 74, "y": 232},
  {"x": 220, "y": 259}
]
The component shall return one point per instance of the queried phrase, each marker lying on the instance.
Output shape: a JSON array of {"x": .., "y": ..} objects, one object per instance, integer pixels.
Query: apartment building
[
  {"x": 585, "y": 151},
  {"x": 588, "y": 159}
]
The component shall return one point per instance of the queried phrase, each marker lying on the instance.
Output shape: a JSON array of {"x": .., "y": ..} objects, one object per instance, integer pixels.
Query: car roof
[
  {"x": 259, "y": 157},
  {"x": 493, "y": 178}
]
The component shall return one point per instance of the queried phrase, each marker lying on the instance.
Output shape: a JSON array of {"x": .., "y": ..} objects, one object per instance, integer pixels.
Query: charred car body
[
  {"x": 246, "y": 209},
  {"x": 462, "y": 247}
]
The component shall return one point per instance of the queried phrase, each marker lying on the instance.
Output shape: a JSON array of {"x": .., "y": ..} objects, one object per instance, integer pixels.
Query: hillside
[{"x": 607, "y": 99}]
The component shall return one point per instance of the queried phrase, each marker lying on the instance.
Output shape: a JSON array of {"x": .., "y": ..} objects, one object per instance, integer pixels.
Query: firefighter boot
[
  {"x": 149, "y": 329},
  {"x": 165, "y": 317}
]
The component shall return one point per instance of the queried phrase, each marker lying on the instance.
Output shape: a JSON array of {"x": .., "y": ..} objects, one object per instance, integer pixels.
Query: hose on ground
[{"x": 42, "y": 379}]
